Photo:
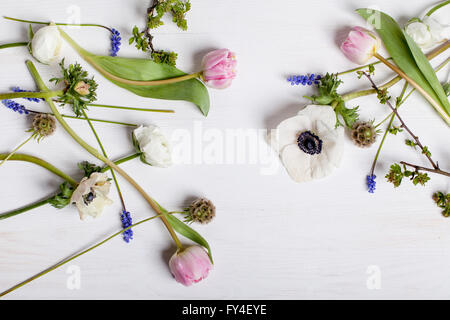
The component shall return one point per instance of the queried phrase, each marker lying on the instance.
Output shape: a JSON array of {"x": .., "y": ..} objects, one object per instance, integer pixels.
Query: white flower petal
[
  {"x": 288, "y": 131},
  {"x": 297, "y": 163},
  {"x": 154, "y": 145},
  {"x": 420, "y": 33},
  {"x": 438, "y": 31},
  {"x": 325, "y": 114}
]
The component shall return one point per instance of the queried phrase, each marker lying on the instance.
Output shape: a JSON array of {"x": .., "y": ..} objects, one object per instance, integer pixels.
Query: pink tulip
[
  {"x": 219, "y": 68},
  {"x": 190, "y": 265},
  {"x": 360, "y": 45}
]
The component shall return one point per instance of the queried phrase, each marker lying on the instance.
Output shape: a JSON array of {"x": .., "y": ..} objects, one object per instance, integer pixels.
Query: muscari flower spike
[
  {"x": 14, "y": 106},
  {"x": 304, "y": 80},
  {"x": 371, "y": 183},
  {"x": 126, "y": 222},
  {"x": 17, "y": 89},
  {"x": 115, "y": 42}
]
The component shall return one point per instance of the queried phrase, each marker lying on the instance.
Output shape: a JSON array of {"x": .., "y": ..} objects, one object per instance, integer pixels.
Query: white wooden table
[{"x": 272, "y": 238}]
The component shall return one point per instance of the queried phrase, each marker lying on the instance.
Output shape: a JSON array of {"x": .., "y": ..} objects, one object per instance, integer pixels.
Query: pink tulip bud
[
  {"x": 360, "y": 45},
  {"x": 219, "y": 68},
  {"x": 190, "y": 265}
]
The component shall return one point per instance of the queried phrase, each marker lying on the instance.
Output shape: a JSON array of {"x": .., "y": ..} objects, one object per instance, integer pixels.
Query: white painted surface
[{"x": 272, "y": 238}]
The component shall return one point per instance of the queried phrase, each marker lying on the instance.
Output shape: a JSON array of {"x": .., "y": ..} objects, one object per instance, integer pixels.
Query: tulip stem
[
  {"x": 352, "y": 95},
  {"x": 12, "y": 45},
  {"x": 39, "y": 95},
  {"x": 88, "y": 57},
  {"x": 104, "y": 153},
  {"x": 17, "y": 286},
  {"x": 414, "y": 84},
  {"x": 95, "y": 153}
]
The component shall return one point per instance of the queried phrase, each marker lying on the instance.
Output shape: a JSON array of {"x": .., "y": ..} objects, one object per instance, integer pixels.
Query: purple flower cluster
[
  {"x": 127, "y": 222},
  {"x": 17, "y": 89},
  {"x": 115, "y": 42},
  {"x": 304, "y": 80},
  {"x": 371, "y": 183},
  {"x": 14, "y": 106}
]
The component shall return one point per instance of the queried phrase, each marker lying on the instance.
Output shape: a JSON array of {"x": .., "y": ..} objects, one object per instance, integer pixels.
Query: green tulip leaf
[
  {"x": 186, "y": 231},
  {"x": 192, "y": 90},
  {"x": 427, "y": 70},
  {"x": 397, "y": 45}
]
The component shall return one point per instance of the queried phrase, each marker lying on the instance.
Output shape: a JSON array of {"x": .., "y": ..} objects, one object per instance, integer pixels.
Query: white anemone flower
[
  {"x": 91, "y": 195},
  {"x": 309, "y": 145}
]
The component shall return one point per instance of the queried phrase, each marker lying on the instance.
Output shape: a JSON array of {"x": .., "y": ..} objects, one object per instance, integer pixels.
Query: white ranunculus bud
[
  {"x": 46, "y": 44},
  {"x": 420, "y": 33},
  {"x": 153, "y": 145},
  {"x": 91, "y": 195}
]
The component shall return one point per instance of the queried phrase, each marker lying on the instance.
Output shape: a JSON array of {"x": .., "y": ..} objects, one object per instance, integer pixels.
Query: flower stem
[
  {"x": 414, "y": 84},
  {"x": 33, "y": 135},
  {"x": 431, "y": 55},
  {"x": 99, "y": 156},
  {"x": 59, "y": 24},
  {"x": 88, "y": 57},
  {"x": 42, "y": 95},
  {"x": 24, "y": 209},
  {"x": 12, "y": 45},
  {"x": 99, "y": 120},
  {"x": 438, "y": 6},
  {"x": 76, "y": 256},
  {"x": 131, "y": 108},
  {"x": 42, "y": 163},
  {"x": 51, "y": 168},
  {"x": 104, "y": 153},
  {"x": 358, "y": 68}
]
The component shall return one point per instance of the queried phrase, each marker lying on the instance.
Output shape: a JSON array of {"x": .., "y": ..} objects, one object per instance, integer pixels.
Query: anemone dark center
[
  {"x": 309, "y": 143},
  {"x": 88, "y": 198}
]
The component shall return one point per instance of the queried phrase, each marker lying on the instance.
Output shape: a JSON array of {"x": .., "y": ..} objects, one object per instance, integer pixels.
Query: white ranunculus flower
[
  {"x": 91, "y": 195},
  {"x": 46, "y": 44},
  {"x": 309, "y": 145},
  {"x": 427, "y": 32},
  {"x": 154, "y": 146}
]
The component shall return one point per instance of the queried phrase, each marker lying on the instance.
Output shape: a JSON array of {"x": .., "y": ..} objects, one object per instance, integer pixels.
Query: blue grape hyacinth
[
  {"x": 126, "y": 222},
  {"x": 305, "y": 80},
  {"x": 115, "y": 42},
  {"x": 14, "y": 106},
  {"x": 371, "y": 183}
]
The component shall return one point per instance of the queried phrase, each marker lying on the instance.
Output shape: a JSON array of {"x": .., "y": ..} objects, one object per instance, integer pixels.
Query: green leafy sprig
[
  {"x": 144, "y": 39},
  {"x": 443, "y": 201},
  {"x": 79, "y": 91},
  {"x": 396, "y": 175},
  {"x": 328, "y": 95}
]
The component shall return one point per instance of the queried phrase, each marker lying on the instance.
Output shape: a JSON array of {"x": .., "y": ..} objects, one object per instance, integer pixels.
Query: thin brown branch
[
  {"x": 417, "y": 168},
  {"x": 403, "y": 124}
]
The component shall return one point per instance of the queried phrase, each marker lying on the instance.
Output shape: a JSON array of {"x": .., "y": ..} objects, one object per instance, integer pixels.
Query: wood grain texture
[{"x": 272, "y": 238}]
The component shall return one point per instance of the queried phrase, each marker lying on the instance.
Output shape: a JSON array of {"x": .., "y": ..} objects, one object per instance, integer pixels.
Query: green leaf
[
  {"x": 428, "y": 71},
  {"x": 191, "y": 90},
  {"x": 398, "y": 48},
  {"x": 187, "y": 231}
]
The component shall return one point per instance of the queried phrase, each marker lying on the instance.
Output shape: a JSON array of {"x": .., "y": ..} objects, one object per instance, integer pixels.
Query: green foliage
[
  {"x": 191, "y": 90},
  {"x": 395, "y": 129},
  {"x": 396, "y": 175},
  {"x": 141, "y": 40},
  {"x": 350, "y": 116},
  {"x": 72, "y": 77},
  {"x": 62, "y": 199},
  {"x": 328, "y": 95},
  {"x": 89, "y": 168},
  {"x": 447, "y": 89},
  {"x": 407, "y": 55},
  {"x": 383, "y": 96},
  {"x": 443, "y": 201},
  {"x": 426, "y": 152},
  {"x": 169, "y": 58},
  {"x": 411, "y": 143}
]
